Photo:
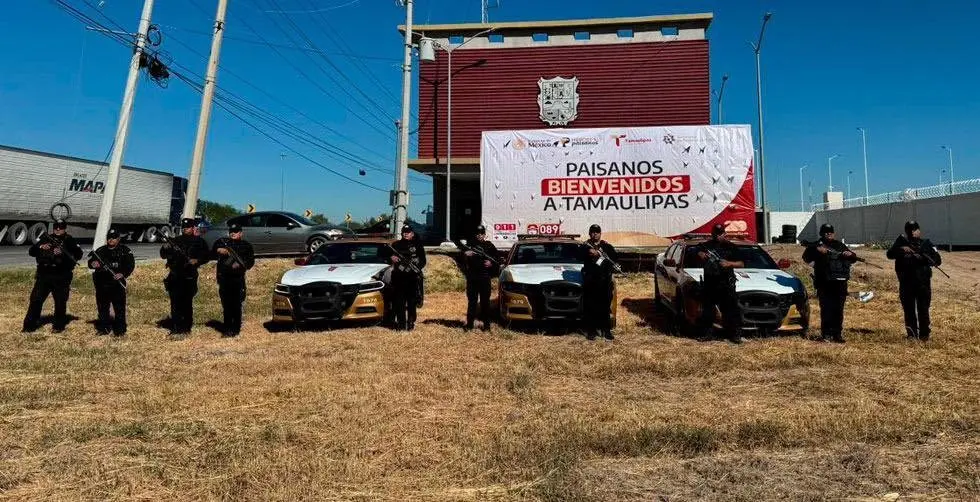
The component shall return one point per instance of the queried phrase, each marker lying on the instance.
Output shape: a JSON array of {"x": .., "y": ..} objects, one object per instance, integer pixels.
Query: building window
[
  {"x": 669, "y": 31},
  {"x": 540, "y": 37},
  {"x": 496, "y": 38},
  {"x": 625, "y": 33},
  {"x": 582, "y": 35},
  {"x": 456, "y": 39}
]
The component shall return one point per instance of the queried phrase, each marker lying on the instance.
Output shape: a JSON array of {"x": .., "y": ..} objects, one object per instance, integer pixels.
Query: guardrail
[{"x": 910, "y": 194}]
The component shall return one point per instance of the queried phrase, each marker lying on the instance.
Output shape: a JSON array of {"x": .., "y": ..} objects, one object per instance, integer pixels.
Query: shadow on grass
[
  {"x": 49, "y": 319},
  {"x": 446, "y": 323},
  {"x": 216, "y": 325},
  {"x": 318, "y": 326}
]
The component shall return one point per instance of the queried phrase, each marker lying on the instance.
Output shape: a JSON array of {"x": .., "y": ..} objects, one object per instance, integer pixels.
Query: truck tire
[
  {"x": 17, "y": 234},
  {"x": 37, "y": 230},
  {"x": 151, "y": 235}
]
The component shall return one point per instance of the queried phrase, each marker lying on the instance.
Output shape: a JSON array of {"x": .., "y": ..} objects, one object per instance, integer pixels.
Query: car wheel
[
  {"x": 36, "y": 231},
  {"x": 315, "y": 243},
  {"x": 151, "y": 235},
  {"x": 681, "y": 324}
]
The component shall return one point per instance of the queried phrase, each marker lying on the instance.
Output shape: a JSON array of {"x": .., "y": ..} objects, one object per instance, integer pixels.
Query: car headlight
[
  {"x": 513, "y": 287},
  {"x": 282, "y": 288},
  {"x": 367, "y": 287}
]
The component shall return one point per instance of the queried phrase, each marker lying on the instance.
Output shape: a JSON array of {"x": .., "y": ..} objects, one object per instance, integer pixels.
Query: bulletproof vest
[
  {"x": 111, "y": 257},
  {"x": 225, "y": 263},
  {"x": 410, "y": 251},
  {"x": 713, "y": 271},
  {"x": 837, "y": 267}
]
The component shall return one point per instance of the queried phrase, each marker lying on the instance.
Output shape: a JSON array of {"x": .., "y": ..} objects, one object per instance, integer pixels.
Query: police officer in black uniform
[
  {"x": 832, "y": 261},
  {"x": 914, "y": 258},
  {"x": 597, "y": 284},
  {"x": 184, "y": 254},
  {"x": 234, "y": 256},
  {"x": 112, "y": 264},
  {"x": 56, "y": 254},
  {"x": 407, "y": 257},
  {"x": 479, "y": 269},
  {"x": 719, "y": 259}
]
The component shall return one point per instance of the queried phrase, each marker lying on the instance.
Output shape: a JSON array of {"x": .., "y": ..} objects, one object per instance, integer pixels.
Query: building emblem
[{"x": 558, "y": 100}]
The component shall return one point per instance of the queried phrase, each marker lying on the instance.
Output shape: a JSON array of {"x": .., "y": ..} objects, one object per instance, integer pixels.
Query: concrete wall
[
  {"x": 944, "y": 220},
  {"x": 779, "y": 218}
]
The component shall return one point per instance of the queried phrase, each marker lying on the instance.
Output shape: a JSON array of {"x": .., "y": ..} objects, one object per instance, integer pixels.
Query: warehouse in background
[
  {"x": 38, "y": 186},
  {"x": 616, "y": 72}
]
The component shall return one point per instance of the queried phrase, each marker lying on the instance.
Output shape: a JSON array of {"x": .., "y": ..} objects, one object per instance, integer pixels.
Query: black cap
[
  {"x": 407, "y": 228},
  {"x": 481, "y": 230},
  {"x": 234, "y": 228},
  {"x": 911, "y": 226},
  {"x": 187, "y": 223},
  {"x": 717, "y": 229},
  {"x": 60, "y": 224},
  {"x": 826, "y": 228},
  {"x": 112, "y": 234},
  {"x": 595, "y": 229}
]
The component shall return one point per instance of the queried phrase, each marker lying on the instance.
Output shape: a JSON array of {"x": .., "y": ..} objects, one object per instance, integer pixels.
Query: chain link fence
[{"x": 910, "y": 194}]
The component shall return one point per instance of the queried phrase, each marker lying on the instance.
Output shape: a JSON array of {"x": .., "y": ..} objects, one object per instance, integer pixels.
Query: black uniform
[
  {"x": 831, "y": 272},
  {"x": 406, "y": 284},
  {"x": 181, "y": 282},
  {"x": 597, "y": 288},
  {"x": 109, "y": 291},
  {"x": 231, "y": 280},
  {"x": 718, "y": 289},
  {"x": 53, "y": 277},
  {"x": 914, "y": 272},
  {"x": 478, "y": 275}
]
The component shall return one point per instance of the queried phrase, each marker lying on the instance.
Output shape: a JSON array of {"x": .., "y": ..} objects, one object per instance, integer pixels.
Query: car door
[
  {"x": 284, "y": 234},
  {"x": 253, "y": 230},
  {"x": 673, "y": 272}
]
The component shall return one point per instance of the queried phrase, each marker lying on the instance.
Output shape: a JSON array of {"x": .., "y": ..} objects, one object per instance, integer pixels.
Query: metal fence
[{"x": 910, "y": 194}]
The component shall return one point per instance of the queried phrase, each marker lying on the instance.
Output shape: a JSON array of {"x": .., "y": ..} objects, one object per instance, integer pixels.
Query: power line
[
  {"x": 308, "y": 137},
  {"x": 388, "y": 117}
]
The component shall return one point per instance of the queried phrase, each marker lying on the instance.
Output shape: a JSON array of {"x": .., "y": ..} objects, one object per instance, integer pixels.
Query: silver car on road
[{"x": 278, "y": 232}]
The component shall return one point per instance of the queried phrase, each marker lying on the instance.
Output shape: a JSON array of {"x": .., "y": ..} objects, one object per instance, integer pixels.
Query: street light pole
[
  {"x": 830, "y": 173},
  {"x": 950, "y": 152},
  {"x": 849, "y": 173},
  {"x": 449, "y": 125},
  {"x": 757, "y": 47},
  {"x": 802, "y": 207},
  {"x": 721, "y": 95},
  {"x": 282, "y": 181},
  {"x": 864, "y": 143}
]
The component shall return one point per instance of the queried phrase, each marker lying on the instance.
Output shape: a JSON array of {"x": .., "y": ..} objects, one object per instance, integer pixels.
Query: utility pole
[
  {"x": 401, "y": 190},
  {"x": 194, "y": 180},
  {"x": 122, "y": 130},
  {"x": 950, "y": 152},
  {"x": 282, "y": 181},
  {"x": 398, "y": 163},
  {"x": 830, "y": 173},
  {"x": 757, "y": 47}
]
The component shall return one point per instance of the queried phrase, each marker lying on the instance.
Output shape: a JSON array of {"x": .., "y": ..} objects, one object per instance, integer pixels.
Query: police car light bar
[{"x": 522, "y": 237}]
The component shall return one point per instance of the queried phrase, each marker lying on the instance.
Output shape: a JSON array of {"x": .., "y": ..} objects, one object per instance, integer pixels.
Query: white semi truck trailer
[{"x": 38, "y": 187}]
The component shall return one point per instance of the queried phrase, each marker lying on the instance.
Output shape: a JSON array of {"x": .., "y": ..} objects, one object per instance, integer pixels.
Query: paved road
[{"x": 16, "y": 256}]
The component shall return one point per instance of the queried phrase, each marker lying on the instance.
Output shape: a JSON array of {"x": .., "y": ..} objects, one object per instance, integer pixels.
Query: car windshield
[
  {"x": 348, "y": 252},
  {"x": 548, "y": 252},
  {"x": 753, "y": 256},
  {"x": 301, "y": 219}
]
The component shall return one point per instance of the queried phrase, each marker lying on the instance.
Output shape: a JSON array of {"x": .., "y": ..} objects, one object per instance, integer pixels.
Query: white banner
[{"x": 641, "y": 185}]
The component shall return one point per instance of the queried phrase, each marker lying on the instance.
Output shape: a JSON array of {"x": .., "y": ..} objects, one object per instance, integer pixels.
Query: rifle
[
  {"x": 231, "y": 252},
  {"x": 476, "y": 250},
  {"x": 603, "y": 256},
  {"x": 106, "y": 266},
  {"x": 834, "y": 254},
  {"x": 932, "y": 263},
  {"x": 178, "y": 249},
  {"x": 406, "y": 261},
  {"x": 60, "y": 244}
]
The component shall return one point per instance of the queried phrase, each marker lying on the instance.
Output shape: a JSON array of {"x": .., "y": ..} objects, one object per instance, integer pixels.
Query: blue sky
[{"x": 906, "y": 73}]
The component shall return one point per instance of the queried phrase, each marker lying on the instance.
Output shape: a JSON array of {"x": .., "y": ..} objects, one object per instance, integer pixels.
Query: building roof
[{"x": 702, "y": 19}]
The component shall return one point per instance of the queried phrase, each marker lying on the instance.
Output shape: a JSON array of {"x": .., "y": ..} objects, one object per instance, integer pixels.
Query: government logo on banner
[{"x": 558, "y": 100}]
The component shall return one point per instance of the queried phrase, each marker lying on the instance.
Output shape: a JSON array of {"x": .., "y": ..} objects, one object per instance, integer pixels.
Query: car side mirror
[
  {"x": 301, "y": 261},
  {"x": 670, "y": 262},
  {"x": 291, "y": 225},
  {"x": 784, "y": 263}
]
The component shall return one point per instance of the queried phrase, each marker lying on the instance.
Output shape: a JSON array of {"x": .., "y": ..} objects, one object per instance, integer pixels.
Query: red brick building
[{"x": 643, "y": 71}]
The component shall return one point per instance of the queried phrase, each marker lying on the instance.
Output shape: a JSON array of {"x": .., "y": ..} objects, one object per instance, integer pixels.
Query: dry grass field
[{"x": 370, "y": 414}]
